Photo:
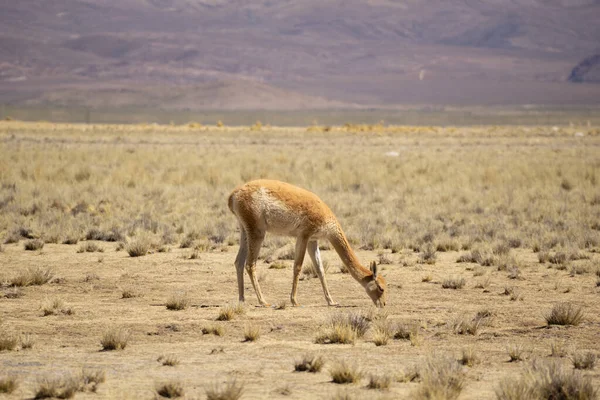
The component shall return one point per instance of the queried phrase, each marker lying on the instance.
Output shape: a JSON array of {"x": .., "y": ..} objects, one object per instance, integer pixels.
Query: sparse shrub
[
  {"x": 309, "y": 363},
  {"x": 579, "y": 270},
  {"x": 129, "y": 293},
  {"x": 343, "y": 373},
  {"x": 251, "y": 332},
  {"x": 115, "y": 339},
  {"x": 384, "y": 259},
  {"x": 514, "y": 273},
  {"x": 229, "y": 312},
  {"x": 216, "y": 330},
  {"x": 278, "y": 265},
  {"x": 178, "y": 301},
  {"x": 383, "y": 333},
  {"x": 464, "y": 325},
  {"x": 380, "y": 382},
  {"x": 344, "y": 328},
  {"x": 565, "y": 314},
  {"x": 8, "y": 340},
  {"x": 112, "y": 235},
  {"x": 32, "y": 277},
  {"x": 169, "y": 360},
  {"x": 90, "y": 247},
  {"x": 547, "y": 380},
  {"x": 585, "y": 360},
  {"x": 469, "y": 357},
  {"x": 428, "y": 255},
  {"x": 59, "y": 387},
  {"x": 501, "y": 249},
  {"x": 8, "y": 384},
  {"x": 454, "y": 283},
  {"x": 281, "y": 305},
  {"x": 232, "y": 391},
  {"x": 427, "y": 278},
  {"x": 516, "y": 352},
  {"x": 406, "y": 331},
  {"x": 447, "y": 244},
  {"x": 27, "y": 341},
  {"x": 138, "y": 248},
  {"x": 440, "y": 379},
  {"x": 13, "y": 293},
  {"x": 90, "y": 379},
  {"x": 54, "y": 307},
  {"x": 480, "y": 256},
  {"x": 558, "y": 349},
  {"x": 34, "y": 244},
  {"x": 170, "y": 390}
]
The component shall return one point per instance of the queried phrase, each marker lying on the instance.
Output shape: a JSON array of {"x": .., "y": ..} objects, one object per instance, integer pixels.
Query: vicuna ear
[{"x": 374, "y": 269}]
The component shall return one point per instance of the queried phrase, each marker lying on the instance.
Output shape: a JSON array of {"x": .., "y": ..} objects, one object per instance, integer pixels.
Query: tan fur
[{"x": 272, "y": 206}]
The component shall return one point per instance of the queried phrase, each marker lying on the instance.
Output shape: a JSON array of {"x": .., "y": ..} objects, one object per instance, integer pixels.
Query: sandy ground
[{"x": 91, "y": 284}]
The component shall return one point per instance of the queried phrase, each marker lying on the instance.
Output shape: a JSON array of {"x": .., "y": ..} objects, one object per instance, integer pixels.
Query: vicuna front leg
[
  {"x": 301, "y": 244},
  {"x": 255, "y": 239},
  {"x": 240, "y": 263},
  {"x": 315, "y": 256}
]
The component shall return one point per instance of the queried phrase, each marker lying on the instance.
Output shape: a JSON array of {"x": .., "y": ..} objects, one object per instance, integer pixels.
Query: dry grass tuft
[
  {"x": 344, "y": 373},
  {"x": 565, "y": 314},
  {"x": 464, "y": 325},
  {"x": 516, "y": 352},
  {"x": 547, "y": 380},
  {"x": 178, "y": 301},
  {"x": 251, "y": 332},
  {"x": 406, "y": 330},
  {"x": 32, "y": 277},
  {"x": 34, "y": 244},
  {"x": 8, "y": 340},
  {"x": 428, "y": 255},
  {"x": 55, "y": 307},
  {"x": 90, "y": 379},
  {"x": 309, "y": 363},
  {"x": 231, "y": 391},
  {"x": 57, "y": 387},
  {"x": 383, "y": 333},
  {"x": 27, "y": 341},
  {"x": 216, "y": 330},
  {"x": 169, "y": 361},
  {"x": 229, "y": 312},
  {"x": 454, "y": 283},
  {"x": 115, "y": 339},
  {"x": 558, "y": 349},
  {"x": 129, "y": 293},
  {"x": 585, "y": 360},
  {"x": 8, "y": 384},
  {"x": 90, "y": 247},
  {"x": 170, "y": 390},
  {"x": 440, "y": 379},
  {"x": 380, "y": 382},
  {"x": 469, "y": 357},
  {"x": 138, "y": 247},
  {"x": 344, "y": 328}
]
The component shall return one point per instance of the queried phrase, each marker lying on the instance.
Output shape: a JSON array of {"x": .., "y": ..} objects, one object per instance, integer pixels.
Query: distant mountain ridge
[{"x": 296, "y": 54}]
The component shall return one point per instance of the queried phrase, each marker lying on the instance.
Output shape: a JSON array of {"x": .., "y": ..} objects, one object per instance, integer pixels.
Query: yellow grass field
[{"x": 482, "y": 232}]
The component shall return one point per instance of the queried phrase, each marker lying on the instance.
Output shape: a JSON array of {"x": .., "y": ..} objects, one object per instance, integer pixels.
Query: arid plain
[{"x": 488, "y": 238}]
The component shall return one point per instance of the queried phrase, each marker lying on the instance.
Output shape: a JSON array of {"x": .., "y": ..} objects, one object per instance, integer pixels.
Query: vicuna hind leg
[
  {"x": 240, "y": 263},
  {"x": 301, "y": 243},
  {"x": 315, "y": 256},
  {"x": 255, "y": 239}
]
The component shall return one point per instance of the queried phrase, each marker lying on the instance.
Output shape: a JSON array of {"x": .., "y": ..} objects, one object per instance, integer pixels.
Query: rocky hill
[{"x": 295, "y": 54}]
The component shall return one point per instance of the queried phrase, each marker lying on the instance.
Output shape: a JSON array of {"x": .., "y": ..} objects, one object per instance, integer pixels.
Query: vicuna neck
[{"x": 342, "y": 247}]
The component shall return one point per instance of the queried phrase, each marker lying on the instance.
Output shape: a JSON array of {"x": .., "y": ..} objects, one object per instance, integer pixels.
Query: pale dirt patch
[{"x": 65, "y": 344}]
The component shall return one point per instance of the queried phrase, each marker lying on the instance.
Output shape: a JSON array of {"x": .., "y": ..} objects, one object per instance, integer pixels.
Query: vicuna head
[{"x": 375, "y": 287}]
